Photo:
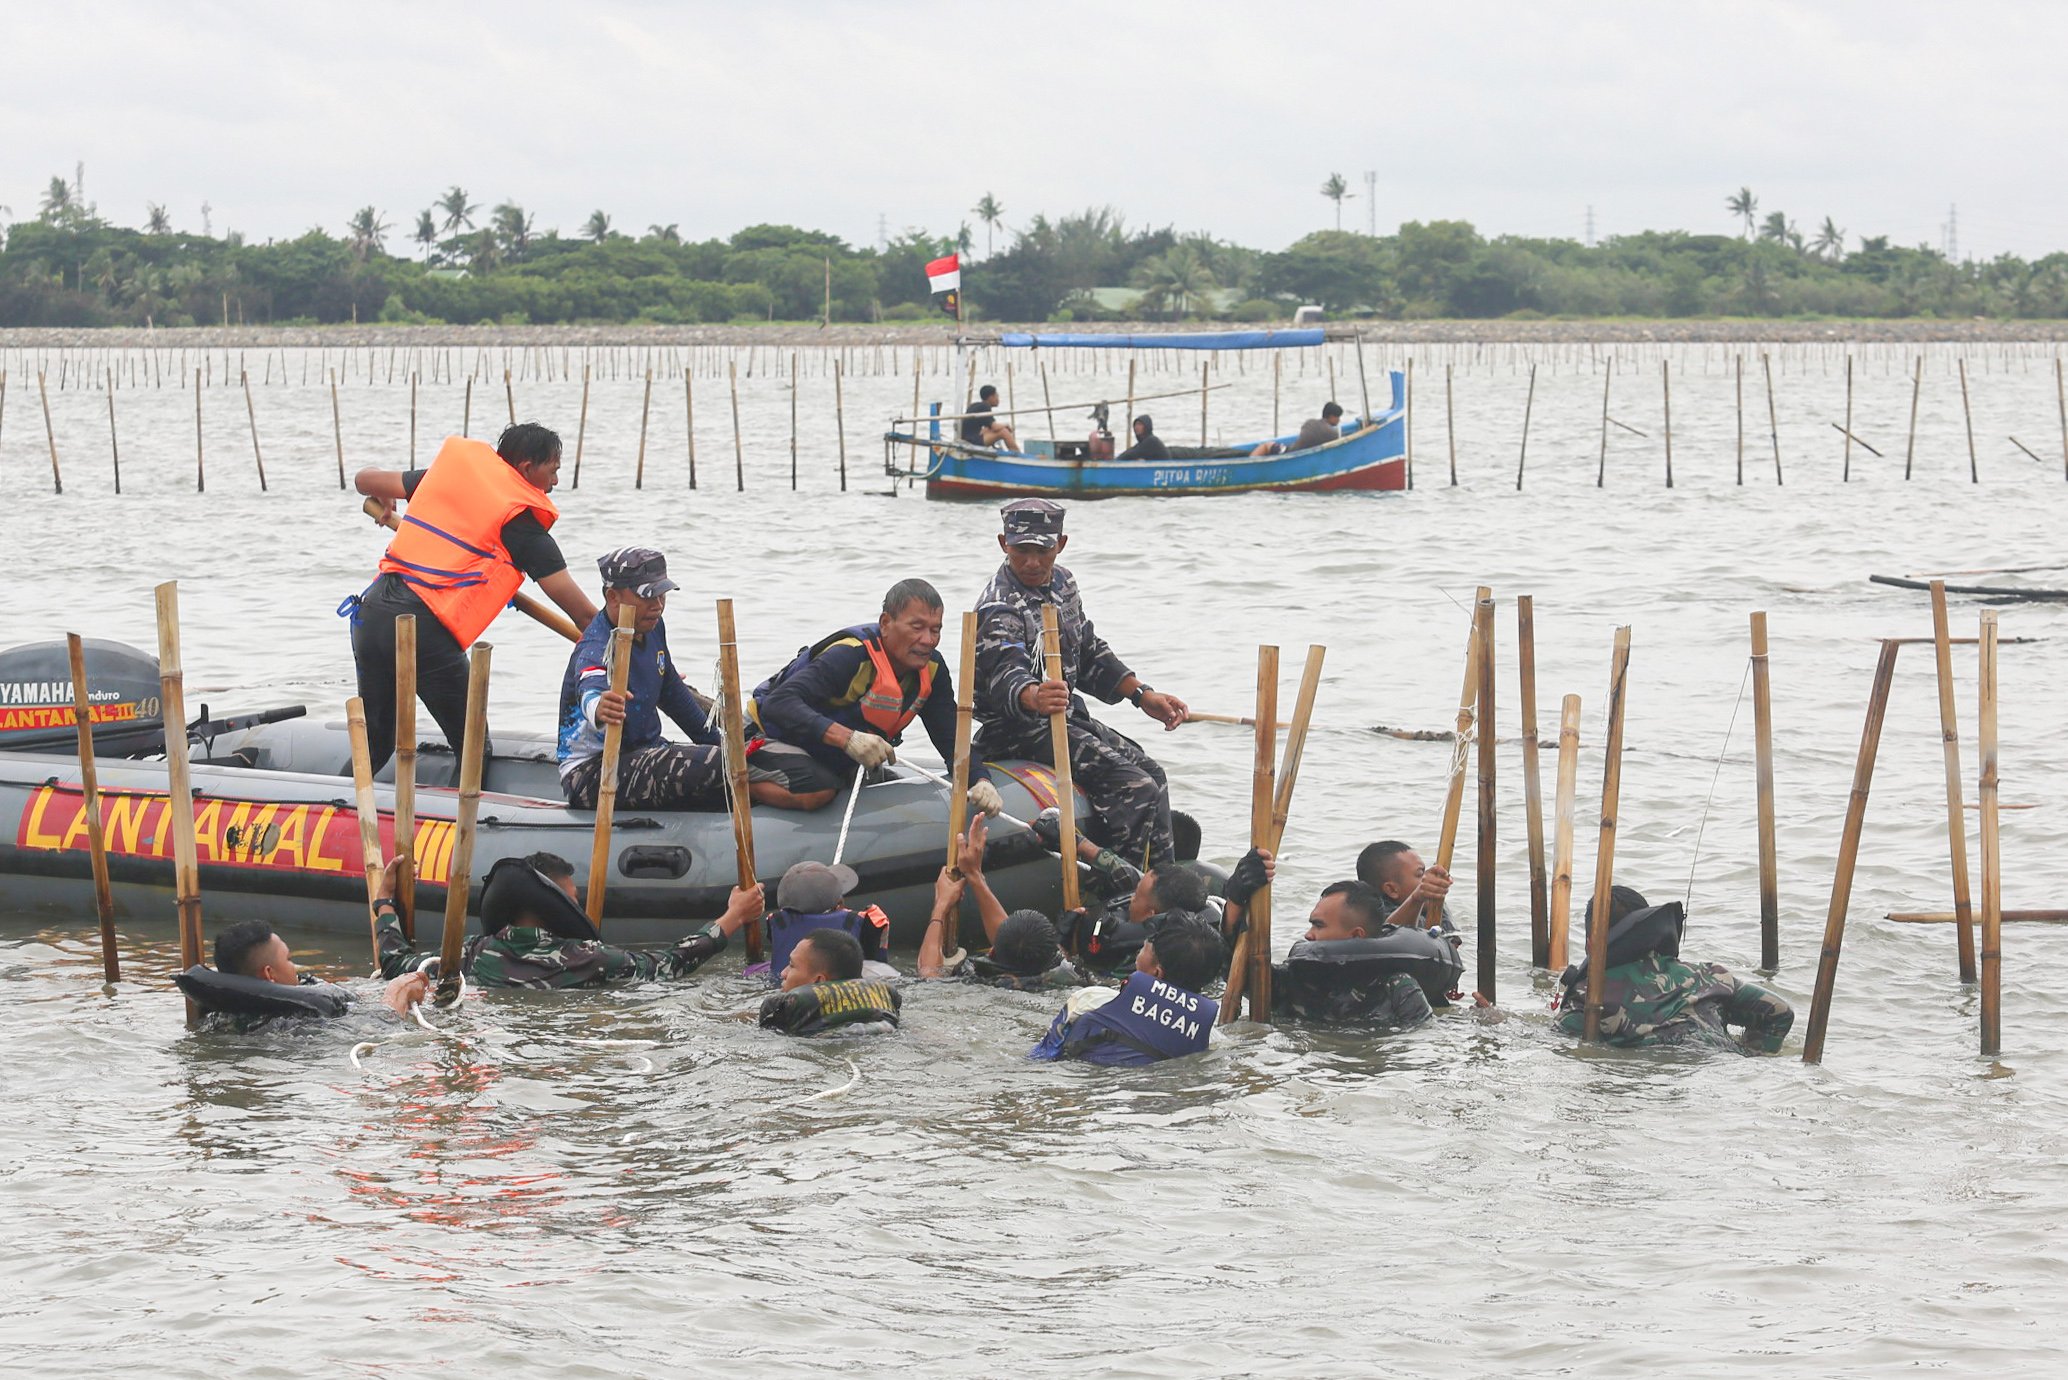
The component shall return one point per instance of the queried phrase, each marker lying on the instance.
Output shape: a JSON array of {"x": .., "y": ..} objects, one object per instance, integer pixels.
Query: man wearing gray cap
[
  {"x": 1130, "y": 802},
  {"x": 653, "y": 773}
]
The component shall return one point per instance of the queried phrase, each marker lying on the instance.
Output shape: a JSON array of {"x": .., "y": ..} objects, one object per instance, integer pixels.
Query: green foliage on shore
[{"x": 69, "y": 267}]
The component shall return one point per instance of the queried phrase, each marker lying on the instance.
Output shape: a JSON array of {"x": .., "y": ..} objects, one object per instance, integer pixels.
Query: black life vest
[
  {"x": 824, "y": 1006},
  {"x": 1653, "y": 930},
  {"x": 870, "y": 928},
  {"x": 1336, "y": 975},
  {"x": 233, "y": 994}
]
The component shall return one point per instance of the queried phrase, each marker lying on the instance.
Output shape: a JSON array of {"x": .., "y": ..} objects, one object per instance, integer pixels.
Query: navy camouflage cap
[
  {"x": 640, "y": 569},
  {"x": 1032, "y": 522}
]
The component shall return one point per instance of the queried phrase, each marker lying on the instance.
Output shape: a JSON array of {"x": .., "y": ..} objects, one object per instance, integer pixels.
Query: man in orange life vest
[
  {"x": 476, "y": 526},
  {"x": 844, "y": 702}
]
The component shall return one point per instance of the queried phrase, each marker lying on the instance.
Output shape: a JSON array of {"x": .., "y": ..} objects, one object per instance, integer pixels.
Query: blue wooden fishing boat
[{"x": 1371, "y": 453}]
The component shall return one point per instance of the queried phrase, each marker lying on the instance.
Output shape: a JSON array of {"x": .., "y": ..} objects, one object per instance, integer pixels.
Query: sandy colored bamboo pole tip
[
  {"x": 405, "y": 771},
  {"x": 607, "y": 776},
  {"x": 459, "y": 872},
  {"x": 90, "y": 806},
  {"x": 366, "y": 807},
  {"x": 1059, "y": 748}
]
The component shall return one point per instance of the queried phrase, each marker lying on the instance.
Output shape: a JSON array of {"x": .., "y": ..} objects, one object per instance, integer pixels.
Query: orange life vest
[
  {"x": 883, "y": 703},
  {"x": 449, "y": 548}
]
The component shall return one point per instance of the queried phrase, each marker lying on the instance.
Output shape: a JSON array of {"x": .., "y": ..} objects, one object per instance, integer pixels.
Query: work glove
[
  {"x": 1048, "y": 827},
  {"x": 868, "y": 749},
  {"x": 984, "y": 796},
  {"x": 1248, "y": 878}
]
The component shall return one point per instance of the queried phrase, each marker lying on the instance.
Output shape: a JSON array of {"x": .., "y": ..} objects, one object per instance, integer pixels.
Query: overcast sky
[{"x": 1208, "y": 116}]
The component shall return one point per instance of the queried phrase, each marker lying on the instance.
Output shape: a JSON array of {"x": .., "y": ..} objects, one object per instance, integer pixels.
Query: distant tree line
[{"x": 461, "y": 263}]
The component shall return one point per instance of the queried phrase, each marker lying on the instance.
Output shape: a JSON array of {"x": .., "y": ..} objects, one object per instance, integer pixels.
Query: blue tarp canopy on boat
[{"x": 1175, "y": 340}]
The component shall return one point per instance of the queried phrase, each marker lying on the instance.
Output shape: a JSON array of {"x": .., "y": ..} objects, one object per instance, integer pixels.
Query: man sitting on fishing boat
[
  {"x": 978, "y": 431},
  {"x": 1024, "y": 953},
  {"x": 1396, "y": 873},
  {"x": 1148, "y": 445},
  {"x": 476, "y": 526},
  {"x": 255, "y": 979},
  {"x": 1315, "y": 431},
  {"x": 535, "y": 934},
  {"x": 840, "y": 708},
  {"x": 1015, "y": 699},
  {"x": 653, "y": 773},
  {"x": 1650, "y": 997}
]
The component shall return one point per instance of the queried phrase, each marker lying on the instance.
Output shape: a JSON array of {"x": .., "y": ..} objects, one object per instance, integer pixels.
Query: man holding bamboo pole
[{"x": 1016, "y": 699}]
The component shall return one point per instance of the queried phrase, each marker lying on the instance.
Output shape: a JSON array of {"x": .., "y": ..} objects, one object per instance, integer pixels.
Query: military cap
[
  {"x": 640, "y": 569},
  {"x": 1032, "y": 522}
]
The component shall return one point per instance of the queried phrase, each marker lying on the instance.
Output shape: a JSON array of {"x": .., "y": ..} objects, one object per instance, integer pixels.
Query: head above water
[
  {"x": 1166, "y": 890},
  {"x": 1185, "y": 952},
  {"x": 910, "y": 624},
  {"x": 555, "y": 869},
  {"x": 815, "y": 888},
  {"x": 1026, "y": 944},
  {"x": 249, "y": 948},
  {"x": 1622, "y": 901},
  {"x": 533, "y": 451},
  {"x": 1390, "y": 868},
  {"x": 518, "y": 893},
  {"x": 1346, "y": 910},
  {"x": 826, "y": 955}
]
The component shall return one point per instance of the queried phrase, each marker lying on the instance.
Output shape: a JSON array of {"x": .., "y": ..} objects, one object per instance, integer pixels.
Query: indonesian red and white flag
[{"x": 945, "y": 275}]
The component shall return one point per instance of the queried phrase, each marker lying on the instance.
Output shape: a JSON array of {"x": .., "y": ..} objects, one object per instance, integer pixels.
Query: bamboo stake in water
[
  {"x": 90, "y": 808},
  {"x": 793, "y": 421},
  {"x": 1532, "y": 783},
  {"x": 1601, "y": 466},
  {"x": 467, "y": 408},
  {"x": 646, "y": 408},
  {"x": 958, "y": 788},
  {"x": 1916, "y": 387},
  {"x": 1288, "y": 776},
  {"x": 114, "y": 446},
  {"x": 57, "y": 481},
  {"x": 1763, "y": 751},
  {"x": 1277, "y": 373},
  {"x": 1845, "y": 474},
  {"x": 1202, "y": 404},
  {"x": 739, "y": 458},
  {"x": 459, "y": 871},
  {"x": 1605, "y": 850},
  {"x": 613, "y": 747},
  {"x": 840, "y": 422},
  {"x": 1262, "y": 800},
  {"x": 405, "y": 772},
  {"x": 1666, "y": 383},
  {"x": 1848, "y": 855},
  {"x": 172, "y": 708},
  {"x": 1974, "y": 473},
  {"x": 1407, "y": 426},
  {"x": 252, "y": 414},
  {"x": 1450, "y": 425},
  {"x": 1454, "y": 797},
  {"x": 412, "y": 418},
  {"x": 1487, "y": 856},
  {"x": 1773, "y": 426},
  {"x": 1741, "y": 418},
  {"x": 689, "y": 421},
  {"x": 581, "y": 431},
  {"x": 337, "y": 431},
  {"x": 1529, "y": 404},
  {"x": 1992, "y": 857},
  {"x": 1363, "y": 391},
  {"x": 1127, "y": 427},
  {"x": 510, "y": 397},
  {"x": 1048, "y": 406},
  {"x": 2060, "y": 402},
  {"x": 1562, "y": 841},
  {"x": 369, "y": 811},
  {"x": 733, "y": 714},
  {"x": 1059, "y": 748},
  {"x": 1956, "y": 818}
]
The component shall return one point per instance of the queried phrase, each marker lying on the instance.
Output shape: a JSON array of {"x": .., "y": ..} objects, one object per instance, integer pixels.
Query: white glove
[
  {"x": 868, "y": 749},
  {"x": 984, "y": 796}
]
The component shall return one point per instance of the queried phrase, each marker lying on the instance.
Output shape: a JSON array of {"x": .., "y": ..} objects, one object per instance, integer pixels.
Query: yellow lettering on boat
[
  {"x": 318, "y": 860},
  {"x": 33, "y": 834},
  {"x": 123, "y": 820},
  {"x": 208, "y": 843},
  {"x": 289, "y": 844}
]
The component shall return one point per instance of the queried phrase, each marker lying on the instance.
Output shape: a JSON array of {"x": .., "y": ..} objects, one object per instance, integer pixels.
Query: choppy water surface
[{"x": 639, "y": 1183}]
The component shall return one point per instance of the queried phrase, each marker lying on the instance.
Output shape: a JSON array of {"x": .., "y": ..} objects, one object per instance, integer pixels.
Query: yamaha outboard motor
[{"x": 36, "y": 712}]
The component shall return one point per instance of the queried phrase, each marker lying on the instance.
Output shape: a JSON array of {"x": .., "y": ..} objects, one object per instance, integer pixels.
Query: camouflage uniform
[
  {"x": 980, "y": 969},
  {"x": 1663, "y": 1001},
  {"x": 526, "y": 956},
  {"x": 1130, "y": 801},
  {"x": 1392, "y": 999}
]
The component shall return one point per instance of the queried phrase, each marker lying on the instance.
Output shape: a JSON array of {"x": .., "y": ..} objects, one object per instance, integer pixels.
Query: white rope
[
  {"x": 848, "y": 818},
  {"x": 1688, "y": 900},
  {"x": 855, "y": 1076}
]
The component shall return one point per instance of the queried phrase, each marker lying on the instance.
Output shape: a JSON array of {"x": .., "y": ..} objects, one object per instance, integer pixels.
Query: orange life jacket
[
  {"x": 883, "y": 703},
  {"x": 449, "y": 548}
]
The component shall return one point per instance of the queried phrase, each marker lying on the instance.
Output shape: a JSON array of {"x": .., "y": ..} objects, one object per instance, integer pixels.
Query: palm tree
[
  {"x": 459, "y": 212},
  {"x": 963, "y": 239},
  {"x": 1744, "y": 206},
  {"x": 367, "y": 230},
  {"x": 58, "y": 202},
  {"x": 484, "y": 251},
  {"x": 156, "y": 220},
  {"x": 514, "y": 228},
  {"x": 1776, "y": 227},
  {"x": 426, "y": 232},
  {"x": 1174, "y": 280},
  {"x": 598, "y": 228},
  {"x": 1336, "y": 190},
  {"x": 671, "y": 233},
  {"x": 1830, "y": 241},
  {"x": 990, "y": 212}
]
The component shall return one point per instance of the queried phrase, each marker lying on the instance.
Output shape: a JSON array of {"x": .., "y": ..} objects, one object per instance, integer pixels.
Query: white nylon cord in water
[{"x": 855, "y": 1076}]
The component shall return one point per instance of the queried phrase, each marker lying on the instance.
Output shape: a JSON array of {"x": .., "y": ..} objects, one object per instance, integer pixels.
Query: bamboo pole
[
  {"x": 1773, "y": 425},
  {"x": 114, "y": 445},
  {"x": 1262, "y": 801},
  {"x": 369, "y": 812},
  {"x": 733, "y": 713},
  {"x": 1848, "y": 856},
  {"x": 1288, "y": 775},
  {"x": 1127, "y": 426},
  {"x": 1450, "y": 424},
  {"x": 958, "y": 789},
  {"x": 1741, "y": 418},
  {"x": 405, "y": 771},
  {"x": 793, "y": 421},
  {"x": 1562, "y": 845},
  {"x": 510, "y": 397},
  {"x": 581, "y": 431},
  {"x": 3, "y": 401},
  {"x": 1454, "y": 798},
  {"x": 1946, "y": 917},
  {"x": 646, "y": 409},
  {"x": 739, "y": 458},
  {"x": 252, "y": 414},
  {"x": 607, "y": 778},
  {"x": 1992, "y": 855},
  {"x": 459, "y": 871},
  {"x": 1956, "y": 820},
  {"x": 1528, "y": 405},
  {"x": 57, "y": 480},
  {"x": 337, "y": 431},
  {"x": 90, "y": 808},
  {"x": 1605, "y": 850},
  {"x": 1666, "y": 384},
  {"x": 1488, "y": 859},
  {"x": 1916, "y": 388},
  {"x": 840, "y": 422},
  {"x": 1277, "y": 374},
  {"x": 1363, "y": 391},
  {"x": 1407, "y": 426},
  {"x": 172, "y": 708},
  {"x": 1763, "y": 740},
  {"x": 1601, "y": 466},
  {"x": 1533, "y": 784},
  {"x": 689, "y": 420},
  {"x": 467, "y": 407},
  {"x": 1203, "y": 395},
  {"x": 1048, "y": 406},
  {"x": 1845, "y": 474},
  {"x": 412, "y": 418},
  {"x": 1059, "y": 747},
  {"x": 2060, "y": 402},
  {"x": 1968, "y": 413}
]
